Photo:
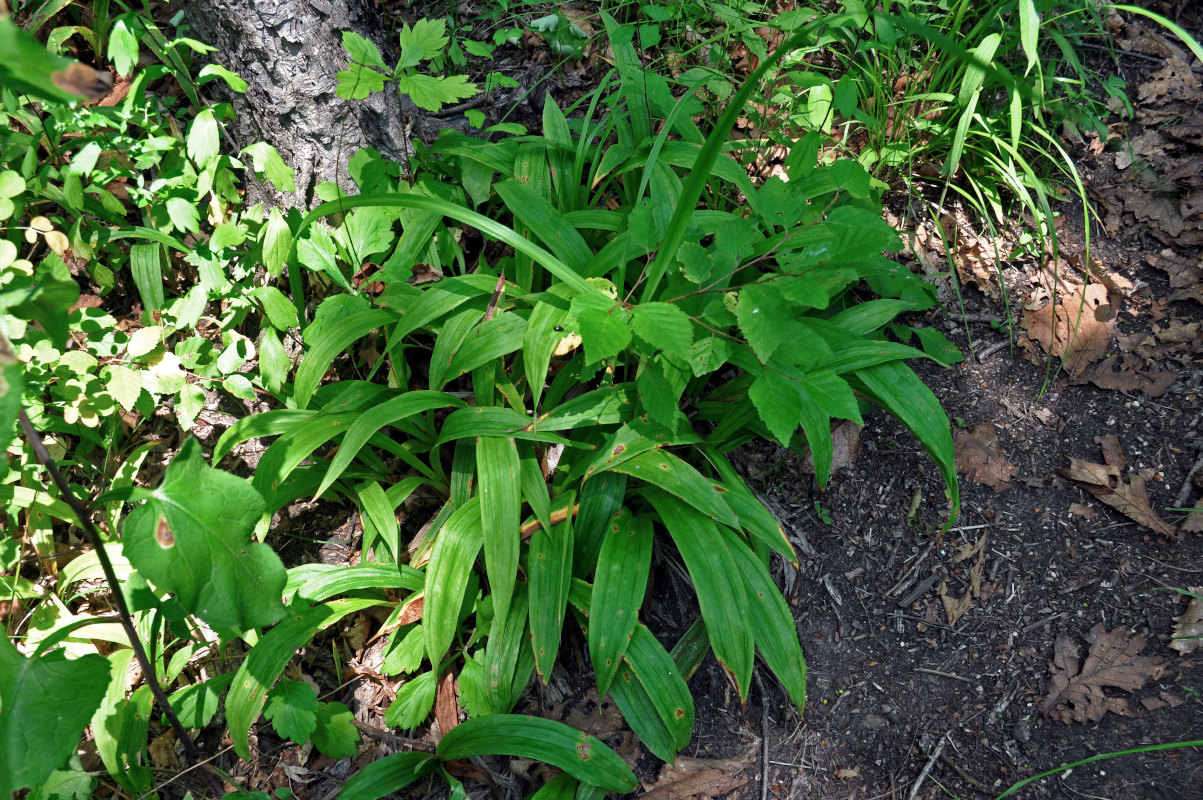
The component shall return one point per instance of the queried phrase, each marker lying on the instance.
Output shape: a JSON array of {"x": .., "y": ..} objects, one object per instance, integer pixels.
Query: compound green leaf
[
  {"x": 619, "y": 583},
  {"x": 266, "y": 161},
  {"x": 583, "y": 757},
  {"x": 47, "y": 701},
  {"x": 193, "y": 538},
  {"x": 267, "y": 660},
  {"x": 414, "y": 701}
]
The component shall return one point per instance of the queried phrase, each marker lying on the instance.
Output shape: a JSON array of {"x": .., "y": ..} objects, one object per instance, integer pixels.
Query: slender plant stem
[{"x": 127, "y": 622}]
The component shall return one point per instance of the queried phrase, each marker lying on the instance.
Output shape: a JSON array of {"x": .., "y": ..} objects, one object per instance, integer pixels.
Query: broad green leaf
[
  {"x": 267, "y": 660},
  {"x": 661, "y": 399},
  {"x": 12, "y": 385},
  {"x": 608, "y": 405},
  {"x": 387, "y": 775},
  {"x": 496, "y": 421},
  {"x": 183, "y": 215},
  {"x": 499, "y": 474},
  {"x": 762, "y": 312},
  {"x": 635, "y": 703},
  {"x": 266, "y": 161},
  {"x": 123, "y": 47},
  {"x": 583, "y": 757},
  {"x": 550, "y": 570},
  {"x": 753, "y": 516},
  {"x": 778, "y": 401},
  {"x": 192, "y": 537},
  {"x": 665, "y": 687},
  {"x": 276, "y": 240},
  {"x": 431, "y": 93},
  {"x": 278, "y": 309},
  {"x": 488, "y": 340},
  {"x": 602, "y": 325},
  {"x": 414, "y": 701},
  {"x": 362, "y": 51},
  {"x": 292, "y": 710},
  {"x": 47, "y": 701},
  {"x": 534, "y": 211},
  {"x": 455, "y": 550},
  {"x": 335, "y": 735},
  {"x": 358, "y": 83},
  {"x": 773, "y": 625},
  {"x": 196, "y": 705},
  {"x": 422, "y": 42},
  {"x": 721, "y": 592},
  {"x": 203, "y": 142},
  {"x": 833, "y": 395},
  {"x": 273, "y": 361},
  {"x": 664, "y": 326},
  {"x": 619, "y": 583},
  {"x": 146, "y": 266},
  {"x": 319, "y": 582},
  {"x": 296, "y": 445},
  {"x": 668, "y": 472},
  {"x": 816, "y": 424},
  {"x": 540, "y": 340},
  {"x": 508, "y": 661}
]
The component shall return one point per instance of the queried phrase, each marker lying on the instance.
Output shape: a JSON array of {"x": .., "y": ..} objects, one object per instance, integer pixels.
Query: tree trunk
[{"x": 288, "y": 52}]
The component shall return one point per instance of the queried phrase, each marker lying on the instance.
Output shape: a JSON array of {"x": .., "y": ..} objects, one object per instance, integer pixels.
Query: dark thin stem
[{"x": 127, "y": 622}]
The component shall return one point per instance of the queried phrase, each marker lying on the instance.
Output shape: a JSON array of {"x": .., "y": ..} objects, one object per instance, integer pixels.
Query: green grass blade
[
  {"x": 667, "y": 690},
  {"x": 721, "y": 593},
  {"x": 455, "y": 550},
  {"x": 333, "y": 341},
  {"x": 317, "y": 583},
  {"x": 386, "y": 775},
  {"x": 670, "y": 473},
  {"x": 499, "y": 472},
  {"x": 619, "y": 584},
  {"x": 541, "y": 217},
  {"x": 550, "y": 578},
  {"x": 267, "y": 660},
  {"x": 583, "y": 757}
]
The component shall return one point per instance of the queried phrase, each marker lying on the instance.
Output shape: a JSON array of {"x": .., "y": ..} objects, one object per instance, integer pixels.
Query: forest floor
[{"x": 1036, "y": 631}]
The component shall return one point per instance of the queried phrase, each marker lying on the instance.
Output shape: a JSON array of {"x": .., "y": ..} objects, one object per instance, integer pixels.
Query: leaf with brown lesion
[
  {"x": 1127, "y": 494},
  {"x": 1076, "y": 693}
]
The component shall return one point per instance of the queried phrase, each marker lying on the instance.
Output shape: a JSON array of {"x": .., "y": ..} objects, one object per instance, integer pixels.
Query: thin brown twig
[{"x": 191, "y": 752}]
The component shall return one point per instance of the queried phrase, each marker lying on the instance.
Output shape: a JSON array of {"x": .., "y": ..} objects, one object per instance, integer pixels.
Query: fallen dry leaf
[
  {"x": 1185, "y": 275},
  {"x": 1125, "y": 375},
  {"x": 847, "y": 773},
  {"x": 1194, "y": 521},
  {"x": 446, "y": 703},
  {"x": 701, "y": 778},
  {"x": 1085, "y": 512},
  {"x": 1107, "y": 482},
  {"x": 1074, "y": 694},
  {"x": 957, "y": 607},
  {"x": 1190, "y": 624},
  {"x": 979, "y": 455},
  {"x": 1077, "y": 328}
]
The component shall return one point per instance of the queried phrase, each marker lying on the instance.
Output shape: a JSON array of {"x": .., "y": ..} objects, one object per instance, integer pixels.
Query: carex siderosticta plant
[
  {"x": 567, "y": 334},
  {"x": 570, "y": 390}
]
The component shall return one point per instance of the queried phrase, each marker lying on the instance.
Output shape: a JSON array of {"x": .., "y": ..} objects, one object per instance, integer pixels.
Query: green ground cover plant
[{"x": 575, "y": 327}]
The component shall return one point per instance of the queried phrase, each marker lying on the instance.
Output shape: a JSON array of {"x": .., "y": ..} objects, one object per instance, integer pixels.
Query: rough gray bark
[{"x": 288, "y": 52}]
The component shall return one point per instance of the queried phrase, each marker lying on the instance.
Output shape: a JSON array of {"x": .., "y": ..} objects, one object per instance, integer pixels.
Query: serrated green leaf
[
  {"x": 659, "y": 397},
  {"x": 267, "y": 659},
  {"x": 619, "y": 584},
  {"x": 602, "y": 325},
  {"x": 414, "y": 701},
  {"x": 761, "y": 313},
  {"x": 189, "y": 404},
  {"x": 335, "y": 735},
  {"x": 583, "y": 757},
  {"x": 266, "y": 161},
  {"x": 203, "y": 142},
  {"x": 362, "y": 51},
  {"x": 708, "y": 354},
  {"x": 832, "y": 394},
  {"x": 358, "y": 82},
  {"x": 664, "y": 326},
  {"x": 292, "y": 710},
  {"x": 276, "y": 239},
  {"x": 123, "y": 47},
  {"x": 422, "y": 42},
  {"x": 47, "y": 701},
  {"x": 433, "y": 93},
  {"x": 193, "y": 538}
]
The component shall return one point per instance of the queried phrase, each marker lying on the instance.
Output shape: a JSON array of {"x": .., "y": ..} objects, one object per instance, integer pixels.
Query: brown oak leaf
[
  {"x": 980, "y": 456},
  {"x": 1126, "y": 494},
  {"x": 1075, "y": 693},
  {"x": 700, "y": 778}
]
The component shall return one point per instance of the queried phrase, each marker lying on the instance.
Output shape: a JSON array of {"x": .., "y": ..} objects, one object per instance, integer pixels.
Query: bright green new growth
[{"x": 426, "y": 40}]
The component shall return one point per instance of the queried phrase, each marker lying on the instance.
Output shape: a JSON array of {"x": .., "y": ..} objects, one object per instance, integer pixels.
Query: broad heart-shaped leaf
[
  {"x": 47, "y": 702},
  {"x": 582, "y": 756},
  {"x": 193, "y": 538}
]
